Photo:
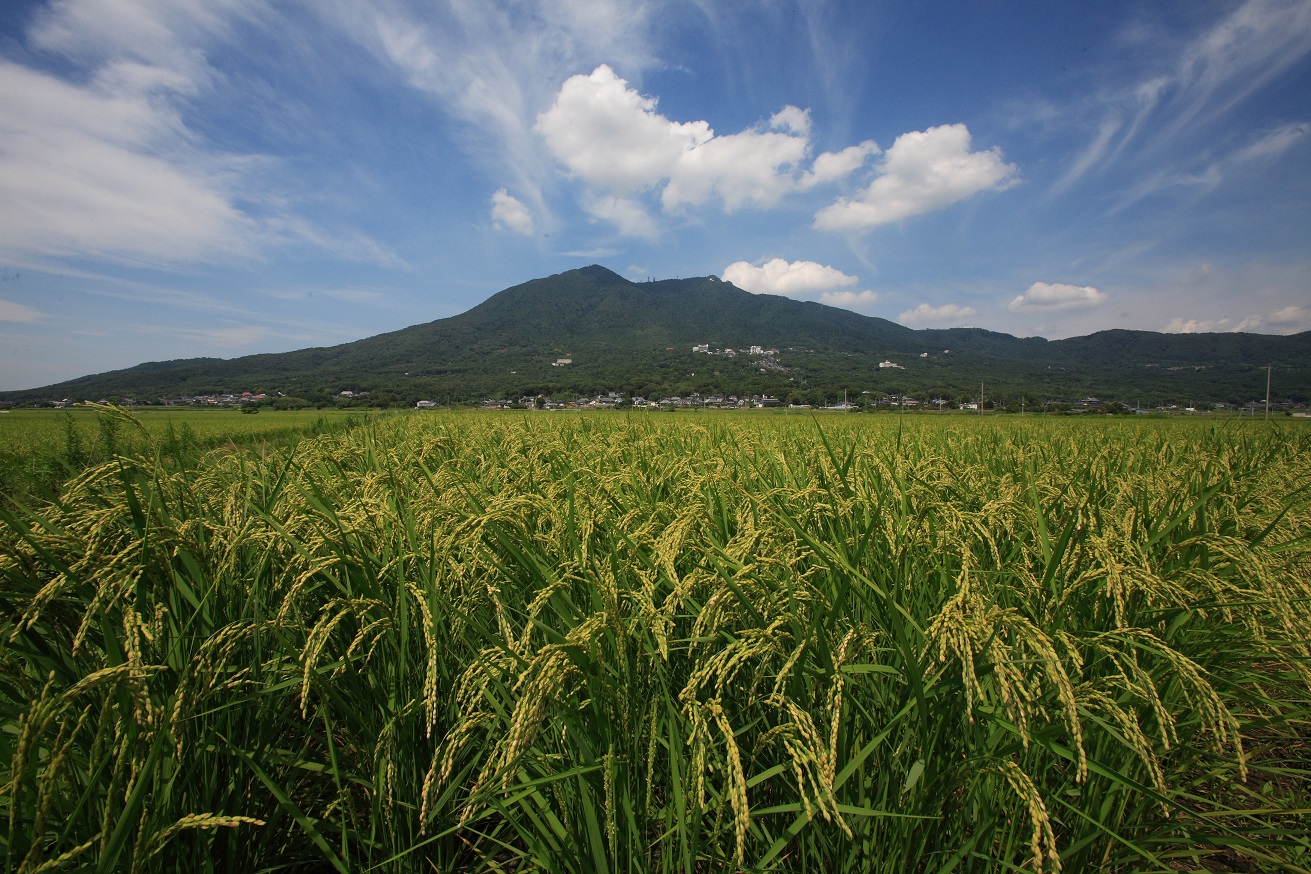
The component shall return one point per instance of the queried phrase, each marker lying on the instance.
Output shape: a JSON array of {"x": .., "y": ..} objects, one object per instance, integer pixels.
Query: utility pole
[
  {"x": 1267, "y": 391},
  {"x": 980, "y": 397}
]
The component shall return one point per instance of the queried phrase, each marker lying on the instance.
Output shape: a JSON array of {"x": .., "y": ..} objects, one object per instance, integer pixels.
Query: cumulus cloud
[
  {"x": 1287, "y": 320},
  {"x": 11, "y": 311},
  {"x": 835, "y": 166},
  {"x": 948, "y": 313},
  {"x": 1295, "y": 316},
  {"x": 791, "y": 118},
  {"x": 611, "y": 137},
  {"x": 627, "y": 214},
  {"x": 777, "y": 276},
  {"x": 1054, "y": 297},
  {"x": 851, "y": 300},
  {"x": 924, "y": 171},
  {"x": 744, "y": 169},
  {"x": 510, "y": 213},
  {"x": 1179, "y": 325}
]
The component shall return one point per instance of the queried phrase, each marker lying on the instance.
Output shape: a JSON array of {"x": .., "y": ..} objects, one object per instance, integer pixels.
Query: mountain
[{"x": 637, "y": 337}]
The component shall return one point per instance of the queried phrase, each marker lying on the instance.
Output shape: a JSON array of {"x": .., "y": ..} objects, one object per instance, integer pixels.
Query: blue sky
[{"x": 184, "y": 178}]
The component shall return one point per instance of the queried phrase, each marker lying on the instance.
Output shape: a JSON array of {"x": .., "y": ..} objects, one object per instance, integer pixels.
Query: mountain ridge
[{"x": 636, "y": 337}]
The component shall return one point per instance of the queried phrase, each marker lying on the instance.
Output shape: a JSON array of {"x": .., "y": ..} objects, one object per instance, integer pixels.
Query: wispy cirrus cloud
[
  {"x": 98, "y": 157},
  {"x": 12, "y": 311},
  {"x": 1272, "y": 143},
  {"x": 106, "y": 168},
  {"x": 1194, "y": 86}
]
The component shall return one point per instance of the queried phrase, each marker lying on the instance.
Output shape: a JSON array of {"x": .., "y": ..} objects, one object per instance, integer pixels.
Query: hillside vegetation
[{"x": 578, "y": 642}]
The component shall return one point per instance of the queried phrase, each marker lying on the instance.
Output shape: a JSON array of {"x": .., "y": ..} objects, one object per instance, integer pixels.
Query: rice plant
[{"x": 629, "y": 643}]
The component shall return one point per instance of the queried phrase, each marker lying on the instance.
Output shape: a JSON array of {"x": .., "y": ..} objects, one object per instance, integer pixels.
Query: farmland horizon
[{"x": 591, "y": 330}]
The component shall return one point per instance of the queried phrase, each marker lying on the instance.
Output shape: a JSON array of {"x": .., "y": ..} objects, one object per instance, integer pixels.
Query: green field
[
  {"x": 41, "y": 448},
  {"x": 31, "y": 428},
  {"x": 645, "y": 642}
]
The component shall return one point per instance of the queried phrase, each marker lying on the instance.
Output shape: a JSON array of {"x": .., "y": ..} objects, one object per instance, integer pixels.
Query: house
[
  {"x": 561, "y": 362},
  {"x": 884, "y": 364},
  {"x": 424, "y": 405},
  {"x": 704, "y": 347}
]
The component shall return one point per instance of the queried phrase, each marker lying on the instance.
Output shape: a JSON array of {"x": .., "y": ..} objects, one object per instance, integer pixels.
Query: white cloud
[
  {"x": 851, "y": 300},
  {"x": 948, "y": 313},
  {"x": 10, "y": 311},
  {"x": 1094, "y": 153},
  {"x": 835, "y": 166},
  {"x": 613, "y": 139},
  {"x": 1272, "y": 143},
  {"x": 492, "y": 66},
  {"x": 777, "y": 276},
  {"x": 510, "y": 213},
  {"x": 1253, "y": 45},
  {"x": 747, "y": 168},
  {"x": 924, "y": 171},
  {"x": 1240, "y": 54},
  {"x": 1053, "y": 297},
  {"x": 158, "y": 35},
  {"x": 99, "y": 161},
  {"x": 1287, "y": 320},
  {"x": 1179, "y": 325},
  {"x": 611, "y": 136},
  {"x": 1295, "y": 316},
  {"x": 103, "y": 169},
  {"x": 791, "y": 118},
  {"x": 627, "y": 214}
]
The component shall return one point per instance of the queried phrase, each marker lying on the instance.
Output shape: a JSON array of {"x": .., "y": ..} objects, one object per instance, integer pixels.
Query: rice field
[
  {"x": 39, "y": 449},
  {"x": 630, "y": 643}
]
